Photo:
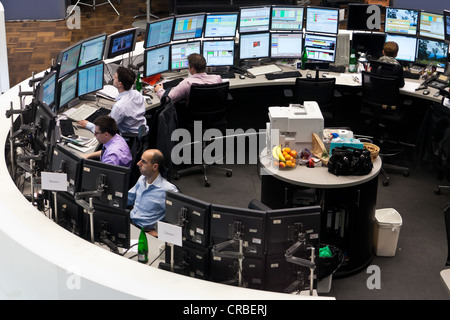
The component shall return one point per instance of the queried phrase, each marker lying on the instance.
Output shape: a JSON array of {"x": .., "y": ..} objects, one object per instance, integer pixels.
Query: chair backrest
[
  {"x": 207, "y": 103},
  {"x": 380, "y": 92},
  {"x": 320, "y": 90}
]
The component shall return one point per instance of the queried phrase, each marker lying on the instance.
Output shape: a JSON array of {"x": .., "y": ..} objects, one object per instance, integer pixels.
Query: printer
[{"x": 294, "y": 125}]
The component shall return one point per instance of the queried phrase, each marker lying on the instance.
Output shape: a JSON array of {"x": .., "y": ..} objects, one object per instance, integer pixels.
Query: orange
[
  {"x": 287, "y": 149},
  {"x": 282, "y": 165},
  {"x": 293, "y": 153},
  {"x": 287, "y": 156},
  {"x": 289, "y": 163}
]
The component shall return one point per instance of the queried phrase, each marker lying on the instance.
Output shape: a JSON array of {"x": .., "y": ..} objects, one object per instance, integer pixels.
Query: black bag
[{"x": 346, "y": 161}]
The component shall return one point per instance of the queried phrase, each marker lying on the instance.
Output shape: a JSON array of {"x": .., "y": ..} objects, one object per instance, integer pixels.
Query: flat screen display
[
  {"x": 431, "y": 25},
  {"x": 432, "y": 52},
  {"x": 362, "y": 16},
  {"x": 287, "y": 18},
  {"x": 218, "y": 53},
  {"x": 221, "y": 25},
  {"x": 324, "y": 20},
  {"x": 254, "y": 45},
  {"x": 92, "y": 50},
  {"x": 121, "y": 42},
  {"x": 180, "y": 52},
  {"x": 447, "y": 24},
  {"x": 156, "y": 60},
  {"x": 159, "y": 32},
  {"x": 406, "y": 46},
  {"x": 320, "y": 48},
  {"x": 254, "y": 19},
  {"x": 286, "y": 45},
  {"x": 68, "y": 89},
  {"x": 90, "y": 79},
  {"x": 69, "y": 60},
  {"x": 48, "y": 89},
  {"x": 188, "y": 27},
  {"x": 401, "y": 21}
]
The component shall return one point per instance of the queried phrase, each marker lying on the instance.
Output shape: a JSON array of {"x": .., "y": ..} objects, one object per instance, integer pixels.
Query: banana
[
  {"x": 275, "y": 153},
  {"x": 280, "y": 155}
]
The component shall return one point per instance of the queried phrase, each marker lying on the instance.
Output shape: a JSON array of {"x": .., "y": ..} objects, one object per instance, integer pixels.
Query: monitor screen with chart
[
  {"x": 286, "y": 45},
  {"x": 92, "y": 50},
  {"x": 159, "y": 32},
  {"x": 188, "y": 26},
  {"x": 180, "y": 52},
  {"x": 287, "y": 18},
  {"x": 431, "y": 25},
  {"x": 447, "y": 24},
  {"x": 254, "y": 45},
  {"x": 218, "y": 52},
  {"x": 401, "y": 21},
  {"x": 90, "y": 79},
  {"x": 156, "y": 60},
  {"x": 68, "y": 59},
  {"x": 406, "y": 46},
  {"x": 219, "y": 25},
  {"x": 254, "y": 19},
  {"x": 323, "y": 20},
  {"x": 320, "y": 47}
]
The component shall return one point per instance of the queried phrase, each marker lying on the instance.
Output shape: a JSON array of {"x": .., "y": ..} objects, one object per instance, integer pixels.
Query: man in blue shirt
[
  {"x": 148, "y": 196},
  {"x": 115, "y": 149}
]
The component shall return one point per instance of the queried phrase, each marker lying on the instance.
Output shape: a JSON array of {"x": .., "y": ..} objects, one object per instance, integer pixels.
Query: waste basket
[
  {"x": 386, "y": 231},
  {"x": 327, "y": 265}
]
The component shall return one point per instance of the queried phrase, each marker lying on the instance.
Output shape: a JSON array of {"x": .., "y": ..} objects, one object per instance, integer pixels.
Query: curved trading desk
[{"x": 348, "y": 205}]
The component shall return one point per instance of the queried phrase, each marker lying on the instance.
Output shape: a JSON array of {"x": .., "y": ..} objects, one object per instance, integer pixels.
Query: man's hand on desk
[
  {"x": 158, "y": 87},
  {"x": 82, "y": 123}
]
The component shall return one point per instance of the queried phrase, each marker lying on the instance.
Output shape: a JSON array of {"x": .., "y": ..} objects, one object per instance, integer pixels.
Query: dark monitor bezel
[
  {"x": 90, "y": 173},
  {"x": 207, "y": 36},
  {"x": 220, "y": 233},
  {"x": 298, "y": 56},
  {"x": 40, "y": 90},
  {"x": 396, "y": 32},
  {"x": 101, "y": 63},
  {"x": 321, "y": 8},
  {"x": 254, "y": 7},
  {"x": 184, "y": 16},
  {"x": 267, "y": 55},
  {"x": 221, "y": 40},
  {"x": 197, "y": 228},
  {"x": 155, "y": 22},
  {"x": 288, "y": 7},
  {"x": 181, "y": 44},
  {"x": 419, "y": 27},
  {"x": 354, "y": 19},
  {"x": 74, "y": 214},
  {"x": 405, "y": 36},
  {"x": 109, "y": 54},
  {"x": 61, "y": 55},
  {"x": 377, "y": 42},
  {"x": 60, "y": 85},
  {"x": 102, "y": 51},
  {"x": 322, "y": 35},
  {"x": 49, "y": 115},
  {"x": 447, "y": 25},
  {"x": 146, "y": 53},
  {"x": 428, "y": 63},
  {"x": 61, "y": 153}
]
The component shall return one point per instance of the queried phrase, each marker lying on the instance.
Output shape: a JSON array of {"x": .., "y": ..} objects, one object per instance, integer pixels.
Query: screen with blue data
[
  {"x": 254, "y": 45},
  {"x": 401, "y": 21},
  {"x": 90, "y": 79},
  {"x": 254, "y": 19},
  {"x": 156, "y": 60},
  {"x": 218, "y": 52},
  {"x": 188, "y": 27},
  {"x": 320, "y": 48},
  {"x": 287, "y": 18},
  {"x": 406, "y": 46},
  {"x": 286, "y": 45},
  {"x": 92, "y": 50},
  {"x": 324, "y": 20},
  {"x": 68, "y": 59},
  {"x": 447, "y": 24},
  {"x": 431, "y": 52},
  {"x": 159, "y": 32},
  {"x": 431, "y": 25},
  {"x": 48, "y": 89},
  {"x": 68, "y": 89},
  {"x": 221, "y": 25},
  {"x": 180, "y": 52}
]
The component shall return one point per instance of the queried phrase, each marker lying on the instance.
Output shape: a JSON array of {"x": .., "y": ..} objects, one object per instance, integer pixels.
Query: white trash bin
[{"x": 386, "y": 231}]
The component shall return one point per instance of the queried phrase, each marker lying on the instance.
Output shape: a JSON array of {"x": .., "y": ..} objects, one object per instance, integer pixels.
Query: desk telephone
[
  {"x": 242, "y": 71},
  {"x": 438, "y": 81}
]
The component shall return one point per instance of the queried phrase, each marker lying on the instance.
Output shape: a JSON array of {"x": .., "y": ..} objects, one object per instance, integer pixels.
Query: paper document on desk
[
  {"x": 108, "y": 92},
  {"x": 410, "y": 86},
  {"x": 347, "y": 79},
  {"x": 83, "y": 144}
]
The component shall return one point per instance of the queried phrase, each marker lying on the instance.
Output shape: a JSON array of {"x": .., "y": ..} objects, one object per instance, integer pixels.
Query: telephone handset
[{"x": 241, "y": 70}]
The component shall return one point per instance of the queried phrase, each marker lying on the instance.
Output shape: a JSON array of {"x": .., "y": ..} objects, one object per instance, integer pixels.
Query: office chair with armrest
[
  {"x": 382, "y": 104},
  {"x": 137, "y": 142},
  {"x": 207, "y": 104},
  {"x": 321, "y": 90}
]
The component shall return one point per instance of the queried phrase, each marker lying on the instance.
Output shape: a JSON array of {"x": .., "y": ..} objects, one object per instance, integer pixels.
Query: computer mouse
[
  {"x": 241, "y": 76},
  {"x": 308, "y": 75},
  {"x": 425, "y": 92}
]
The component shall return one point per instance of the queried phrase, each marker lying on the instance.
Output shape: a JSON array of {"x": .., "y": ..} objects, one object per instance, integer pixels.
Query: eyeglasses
[{"x": 97, "y": 133}]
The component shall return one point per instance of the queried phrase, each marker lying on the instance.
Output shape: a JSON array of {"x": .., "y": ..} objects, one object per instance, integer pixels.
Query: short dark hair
[
  {"x": 107, "y": 124},
  {"x": 126, "y": 76},
  {"x": 158, "y": 158},
  {"x": 390, "y": 49},
  {"x": 197, "y": 61}
]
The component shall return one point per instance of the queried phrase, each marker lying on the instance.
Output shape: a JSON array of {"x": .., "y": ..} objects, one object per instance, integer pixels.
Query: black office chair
[
  {"x": 321, "y": 90},
  {"x": 382, "y": 104},
  {"x": 137, "y": 142},
  {"x": 207, "y": 103}
]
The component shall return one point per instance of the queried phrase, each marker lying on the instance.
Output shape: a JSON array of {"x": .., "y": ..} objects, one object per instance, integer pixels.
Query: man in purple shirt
[
  {"x": 197, "y": 68},
  {"x": 115, "y": 149}
]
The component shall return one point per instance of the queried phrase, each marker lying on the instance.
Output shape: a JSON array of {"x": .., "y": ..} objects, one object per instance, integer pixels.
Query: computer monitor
[
  {"x": 254, "y": 45},
  {"x": 230, "y": 224},
  {"x": 369, "y": 43},
  {"x": 111, "y": 227},
  {"x": 121, "y": 42},
  {"x": 320, "y": 47},
  {"x": 254, "y": 19},
  {"x": 287, "y": 18},
  {"x": 68, "y": 162},
  {"x": 191, "y": 214},
  {"x": 159, "y": 32},
  {"x": 92, "y": 50},
  {"x": 431, "y": 25},
  {"x": 286, "y": 45},
  {"x": 406, "y": 47},
  {"x": 447, "y": 24},
  {"x": 69, "y": 214},
  {"x": 112, "y": 178},
  {"x": 220, "y": 25},
  {"x": 90, "y": 79},
  {"x": 323, "y": 20},
  {"x": 218, "y": 53},
  {"x": 156, "y": 60},
  {"x": 179, "y": 53},
  {"x": 67, "y": 59},
  {"x": 67, "y": 89},
  {"x": 359, "y": 14},
  {"x": 47, "y": 90},
  {"x": 188, "y": 26},
  {"x": 44, "y": 137},
  {"x": 401, "y": 21},
  {"x": 191, "y": 261},
  {"x": 432, "y": 52}
]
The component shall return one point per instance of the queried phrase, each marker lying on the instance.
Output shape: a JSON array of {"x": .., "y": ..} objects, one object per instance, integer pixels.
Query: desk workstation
[{"x": 86, "y": 253}]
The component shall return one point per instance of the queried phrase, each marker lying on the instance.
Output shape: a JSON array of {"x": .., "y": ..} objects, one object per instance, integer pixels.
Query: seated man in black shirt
[{"x": 390, "y": 51}]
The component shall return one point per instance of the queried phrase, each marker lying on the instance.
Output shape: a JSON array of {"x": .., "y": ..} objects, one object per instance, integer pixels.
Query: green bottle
[
  {"x": 352, "y": 62},
  {"x": 143, "y": 247},
  {"x": 304, "y": 58},
  {"x": 138, "y": 82}
]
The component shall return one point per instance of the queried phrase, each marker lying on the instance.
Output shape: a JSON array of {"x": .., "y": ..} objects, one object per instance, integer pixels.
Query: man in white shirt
[{"x": 129, "y": 109}]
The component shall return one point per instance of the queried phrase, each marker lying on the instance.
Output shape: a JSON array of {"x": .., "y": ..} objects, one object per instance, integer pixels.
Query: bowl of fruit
[{"x": 284, "y": 157}]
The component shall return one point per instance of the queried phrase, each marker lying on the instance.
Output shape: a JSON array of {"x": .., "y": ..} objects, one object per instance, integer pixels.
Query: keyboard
[
  {"x": 82, "y": 112},
  {"x": 336, "y": 69},
  {"x": 66, "y": 127},
  {"x": 224, "y": 74},
  {"x": 99, "y": 112},
  {"x": 283, "y": 75},
  {"x": 270, "y": 68},
  {"x": 172, "y": 83},
  {"x": 411, "y": 75}
]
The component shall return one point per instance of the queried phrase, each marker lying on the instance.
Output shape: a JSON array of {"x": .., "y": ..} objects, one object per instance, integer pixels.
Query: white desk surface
[{"x": 445, "y": 276}]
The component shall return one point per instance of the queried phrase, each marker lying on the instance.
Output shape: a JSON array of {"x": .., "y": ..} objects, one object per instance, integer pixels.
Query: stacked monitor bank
[{"x": 243, "y": 246}]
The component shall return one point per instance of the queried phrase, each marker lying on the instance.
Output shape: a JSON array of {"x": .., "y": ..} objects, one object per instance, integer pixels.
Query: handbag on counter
[{"x": 347, "y": 161}]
